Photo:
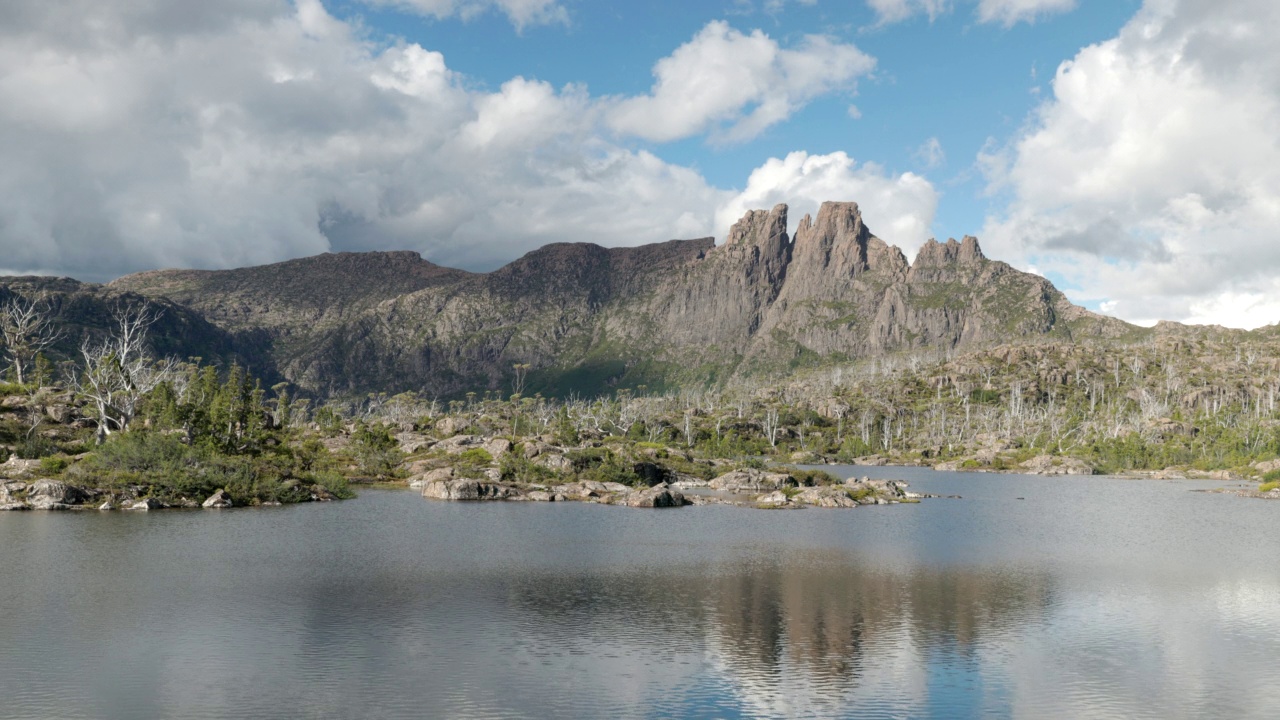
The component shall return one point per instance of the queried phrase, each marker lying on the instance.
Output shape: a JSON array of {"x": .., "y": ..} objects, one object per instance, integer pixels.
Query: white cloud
[
  {"x": 892, "y": 11},
  {"x": 1005, "y": 12},
  {"x": 930, "y": 153},
  {"x": 153, "y": 133},
  {"x": 1011, "y": 12},
  {"x": 521, "y": 13},
  {"x": 1151, "y": 178},
  {"x": 735, "y": 85},
  {"x": 897, "y": 208}
]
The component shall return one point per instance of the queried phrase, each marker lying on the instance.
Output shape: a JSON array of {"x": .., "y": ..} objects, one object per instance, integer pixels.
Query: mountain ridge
[{"x": 587, "y": 318}]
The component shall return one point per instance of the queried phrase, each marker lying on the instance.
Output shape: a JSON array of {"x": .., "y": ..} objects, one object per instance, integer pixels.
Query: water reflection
[{"x": 391, "y": 607}]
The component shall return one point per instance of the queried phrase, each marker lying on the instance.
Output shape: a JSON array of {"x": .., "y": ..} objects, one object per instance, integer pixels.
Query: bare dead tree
[
  {"x": 119, "y": 371},
  {"x": 28, "y": 329}
]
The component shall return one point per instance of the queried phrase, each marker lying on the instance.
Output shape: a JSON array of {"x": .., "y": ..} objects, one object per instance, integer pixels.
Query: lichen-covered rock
[
  {"x": 466, "y": 489},
  {"x": 218, "y": 500},
  {"x": 498, "y": 447},
  {"x": 658, "y": 496},
  {"x": 750, "y": 480},
  {"x": 773, "y": 499},
  {"x": 56, "y": 491},
  {"x": 458, "y": 444},
  {"x": 831, "y": 496},
  {"x": 1049, "y": 465},
  {"x": 437, "y": 475},
  {"x": 16, "y": 467},
  {"x": 554, "y": 461}
]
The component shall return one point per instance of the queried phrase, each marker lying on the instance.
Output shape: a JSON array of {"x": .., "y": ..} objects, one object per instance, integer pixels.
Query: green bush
[
  {"x": 516, "y": 468},
  {"x": 35, "y": 447},
  {"x": 334, "y": 482},
  {"x": 810, "y": 478},
  {"x": 54, "y": 464},
  {"x": 376, "y": 449},
  {"x": 1269, "y": 486}
]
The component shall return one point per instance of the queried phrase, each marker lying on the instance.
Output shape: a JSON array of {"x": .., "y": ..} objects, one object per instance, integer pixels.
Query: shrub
[
  {"x": 1269, "y": 486},
  {"x": 54, "y": 464},
  {"x": 334, "y": 482},
  {"x": 35, "y": 447},
  {"x": 810, "y": 478},
  {"x": 376, "y": 450}
]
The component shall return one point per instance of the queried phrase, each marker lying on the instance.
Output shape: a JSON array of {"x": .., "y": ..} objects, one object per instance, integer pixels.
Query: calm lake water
[{"x": 1090, "y": 598}]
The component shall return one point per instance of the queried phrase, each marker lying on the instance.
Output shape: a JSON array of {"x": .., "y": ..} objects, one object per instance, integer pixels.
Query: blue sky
[
  {"x": 949, "y": 78},
  {"x": 1125, "y": 149}
]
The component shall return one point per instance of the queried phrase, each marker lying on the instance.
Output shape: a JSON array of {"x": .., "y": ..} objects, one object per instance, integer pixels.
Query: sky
[{"x": 1128, "y": 150}]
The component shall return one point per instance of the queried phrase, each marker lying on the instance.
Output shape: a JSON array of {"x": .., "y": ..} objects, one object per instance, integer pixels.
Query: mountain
[{"x": 586, "y": 318}]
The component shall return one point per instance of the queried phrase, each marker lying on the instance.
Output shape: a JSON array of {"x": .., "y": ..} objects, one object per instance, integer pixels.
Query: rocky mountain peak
[
  {"x": 934, "y": 253},
  {"x": 760, "y": 228}
]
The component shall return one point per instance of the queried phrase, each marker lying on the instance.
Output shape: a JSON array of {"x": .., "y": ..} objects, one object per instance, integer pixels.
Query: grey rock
[
  {"x": 437, "y": 475},
  {"x": 44, "y": 502},
  {"x": 658, "y": 496},
  {"x": 219, "y": 499},
  {"x": 498, "y": 447},
  {"x": 750, "y": 480},
  {"x": 466, "y": 489},
  {"x": 57, "y": 491},
  {"x": 144, "y": 504}
]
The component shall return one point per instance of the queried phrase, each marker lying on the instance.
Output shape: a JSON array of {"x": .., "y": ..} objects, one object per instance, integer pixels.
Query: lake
[{"x": 1029, "y": 597}]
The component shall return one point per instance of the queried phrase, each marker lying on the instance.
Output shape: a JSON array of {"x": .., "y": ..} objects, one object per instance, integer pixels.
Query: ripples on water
[{"x": 1090, "y": 598}]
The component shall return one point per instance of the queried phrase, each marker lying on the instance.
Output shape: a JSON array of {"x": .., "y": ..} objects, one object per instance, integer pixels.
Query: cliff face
[{"x": 587, "y": 318}]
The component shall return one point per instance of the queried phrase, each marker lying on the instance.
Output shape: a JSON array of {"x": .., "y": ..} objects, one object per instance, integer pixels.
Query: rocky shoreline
[
  {"x": 743, "y": 488},
  {"x": 46, "y": 494}
]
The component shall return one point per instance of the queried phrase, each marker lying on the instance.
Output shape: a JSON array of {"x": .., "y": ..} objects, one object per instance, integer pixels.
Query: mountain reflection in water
[{"x": 1091, "y": 598}]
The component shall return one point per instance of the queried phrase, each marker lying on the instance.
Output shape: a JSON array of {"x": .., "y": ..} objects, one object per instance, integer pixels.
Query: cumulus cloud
[
  {"x": 897, "y": 208},
  {"x": 1151, "y": 178},
  {"x": 1011, "y": 12},
  {"x": 155, "y": 133},
  {"x": 1004, "y": 12},
  {"x": 735, "y": 85},
  {"x": 521, "y": 13},
  {"x": 892, "y": 11}
]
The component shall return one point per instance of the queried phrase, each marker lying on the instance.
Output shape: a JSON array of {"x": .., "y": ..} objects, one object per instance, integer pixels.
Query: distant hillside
[{"x": 588, "y": 318}]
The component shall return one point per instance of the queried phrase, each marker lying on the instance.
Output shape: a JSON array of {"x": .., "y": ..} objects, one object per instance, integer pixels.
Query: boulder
[
  {"x": 45, "y": 502},
  {"x": 498, "y": 447},
  {"x": 831, "y": 496},
  {"x": 658, "y": 496},
  {"x": 457, "y": 444},
  {"x": 13, "y": 505},
  {"x": 540, "y": 496},
  {"x": 144, "y": 504},
  {"x": 107, "y": 505},
  {"x": 652, "y": 473},
  {"x": 60, "y": 414},
  {"x": 750, "y": 480},
  {"x": 554, "y": 461},
  {"x": 218, "y": 500},
  {"x": 775, "y": 498},
  {"x": 411, "y": 443},
  {"x": 16, "y": 467},
  {"x": 466, "y": 489},
  {"x": 56, "y": 491},
  {"x": 437, "y": 475},
  {"x": 1049, "y": 465}
]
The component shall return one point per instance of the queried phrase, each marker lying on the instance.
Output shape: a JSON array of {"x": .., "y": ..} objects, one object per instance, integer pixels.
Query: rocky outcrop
[
  {"x": 466, "y": 489},
  {"x": 218, "y": 500},
  {"x": 748, "y": 481},
  {"x": 56, "y": 492},
  {"x": 658, "y": 496}
]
